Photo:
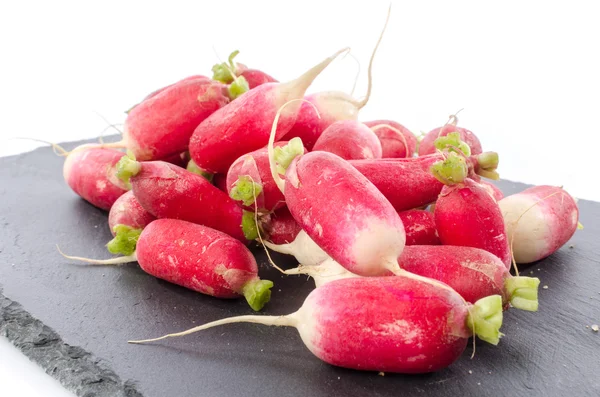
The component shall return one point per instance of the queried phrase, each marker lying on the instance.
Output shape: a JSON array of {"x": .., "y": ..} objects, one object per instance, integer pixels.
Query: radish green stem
[
  {"x": 523, "y": 292},
  {"x": 485, "y": 318},
  {"x": 124, "y": 241},
  {"x": 257, "y": 293},
  {"x": 452, "y": 142},
  {"x": 450, "y": 171},
  {"x": 193, "y": 167},
  {"x": 128, "y": 167},
  {"x": 245, "y": 190}
]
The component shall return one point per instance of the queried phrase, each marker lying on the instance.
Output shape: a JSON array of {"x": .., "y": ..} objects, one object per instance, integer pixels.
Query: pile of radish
[{"x": 410, "y": 247}]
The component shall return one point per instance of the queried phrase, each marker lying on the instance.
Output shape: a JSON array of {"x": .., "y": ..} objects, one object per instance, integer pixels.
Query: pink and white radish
[
  {"x": 199, "y": 258},
  {"x": 168, "y": 191},
  {"x": 225, "y": 72},
  {"x": 156, "y": 92},
  {"x": 396, "y": 140},
  {"x": 390, "y": 324},
  {"x": 162, "y": 125},
  {"x": 427, "y": 146},
  {"x": 408, "y": 183},
  {"x": 349, "y": 139},
  {"x": 364, "y": 233},
  {"x": 126, "y": 219},
  {"x": 539, "y": 221},
  {"x": 331, "y": 106},
  {"x": 244, "y": 124},
  {"x": 472, "y": 272},
  {"x": 90, "y": 171},
  {"x": 250, "y": 176},
  {"x": 419, "y": 226},
  {"x": 465, "y": 213}
]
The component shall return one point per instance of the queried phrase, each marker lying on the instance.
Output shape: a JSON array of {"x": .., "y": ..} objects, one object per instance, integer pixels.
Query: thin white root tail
[
  {"x": 286, "y": 321},
  {"x": 112, "y": 261}
]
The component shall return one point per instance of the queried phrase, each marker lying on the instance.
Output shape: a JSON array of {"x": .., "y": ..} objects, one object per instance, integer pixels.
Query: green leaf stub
[{"x": 125, "y": 240}]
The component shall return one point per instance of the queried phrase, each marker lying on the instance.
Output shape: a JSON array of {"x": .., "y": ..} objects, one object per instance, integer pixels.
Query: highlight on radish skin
[{"x": 414, "y": 326}]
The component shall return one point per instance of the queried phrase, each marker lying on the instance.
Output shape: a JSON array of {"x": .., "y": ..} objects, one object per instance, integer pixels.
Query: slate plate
[{"x": 74, "y": 321}]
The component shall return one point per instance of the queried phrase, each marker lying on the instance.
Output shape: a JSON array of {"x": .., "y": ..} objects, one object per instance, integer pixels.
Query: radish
[
  {"x": 156, "y": 92},
  {"x": 419, "y": 226},
  {"x": 472, "y": 272},
  {"x": 282, "y": 227},
  {"x": 226, "y": 71},
  {"x": 199, "y": 258},
  {"x": 162, "y": 125},
  {"x": 492, "y": 189},
  {"x": 126, "y": 220},
  {"x": 349, "y": 139},
  {"x": 408, "y": 183},
  {"x": 539, "y": 221},
  {"x": 168, "y": 191},
  {"x": 396, "y": 140},
  {"x": 193, "y": 168},
  {"x": 244, "y": 124},
  {"x": 90, "y": 171},
  {"x": 392, "y": 324},
  {"x": 465, "y": 213},
  {"x": 426, "y": 146},
  {"x": 364, "y": 233},
  {"x": 331, "y": 106},
  {"x": 250, "y": 175}
]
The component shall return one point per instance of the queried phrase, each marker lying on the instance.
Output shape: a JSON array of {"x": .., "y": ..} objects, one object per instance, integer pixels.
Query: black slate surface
[{"x": 74, "y": 320}]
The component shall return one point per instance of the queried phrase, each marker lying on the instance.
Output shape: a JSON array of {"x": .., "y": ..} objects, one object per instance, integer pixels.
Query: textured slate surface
[{"x": 75, "y": 320}]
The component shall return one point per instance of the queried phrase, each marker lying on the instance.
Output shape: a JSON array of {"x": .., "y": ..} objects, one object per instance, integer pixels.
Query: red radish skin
[
  {"x": 472, "y": 272},
  {"x": 548, "y": 219},
  {"x": 466, "y": 215},
  {"x": 199, "y": 258},
  {"x": 364, "y": 233},
  {"x": 492, "y": 189},
  {"x": 408, "y": 183},
  {"x": 244, "y": 125},
  {"x": 392, "y": 144},
  {"x": 389, "y": 324},
  {"x": 256, "y": 77},
  {"x": 282, "y": 227},
  {"x": 91, "y": 173},
  {"x": 419, "y": 226},
  {"x": 331, "y": 107},
  {"x": 168, "y": 191},
  {"x": 256, "y": 165},
  {"x": 427, "y": 143},
  {"x": 163, "y": 124},
  {"x": 187, "y": 79},
  {"x": 349, "y": 139},
  {"x": 128, "y": 211},
  {"x": 220, "y": 182}
]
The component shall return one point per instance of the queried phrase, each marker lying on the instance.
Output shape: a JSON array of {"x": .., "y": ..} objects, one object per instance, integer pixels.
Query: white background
[{"x": 527, "y": 73}]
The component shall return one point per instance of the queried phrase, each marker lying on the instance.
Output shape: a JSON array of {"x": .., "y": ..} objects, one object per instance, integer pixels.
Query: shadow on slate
[{"x": 74, "y": 320}]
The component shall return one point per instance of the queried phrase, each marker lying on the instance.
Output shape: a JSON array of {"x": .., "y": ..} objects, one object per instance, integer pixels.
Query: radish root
[{"x": 111, "y": 261}]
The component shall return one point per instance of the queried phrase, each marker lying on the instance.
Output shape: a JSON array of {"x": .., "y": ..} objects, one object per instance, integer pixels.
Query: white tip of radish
[
  {"x": 303, "y": 248},
  {"x": 375, "y": 238}
]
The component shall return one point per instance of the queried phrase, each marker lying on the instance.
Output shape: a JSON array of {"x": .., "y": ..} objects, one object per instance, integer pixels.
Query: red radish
[
  {"x": 192, "y": 167},
  {"x": 391, "y": 324},
  {"x": 396, "y": 140},
  {"x": 492, "y": 189},
  {"x": 539, "y": 221},
  {"x": 199, "y": 258},
  {"x": 256, "y": 77},
  {"x": 426, "y": 146},
  {"x": 156, "y": 92},
  {"x": 408, "y": 183},
  {"x": 254, "y": 168},
  {"x": 178, "y": 159},
  {"x": 472, "y": 272},
  {"x": 168, "y": 191},
  {"x": 363, "y": 233},
  {"x": 349, "y": 139},
  {"x": 128, "y": 211},
  {"x": 91, "y": 172},
  {"x": 220, "y": 182},
  {"x": 466, "y": 214},
  {"x": 331, "y": 106},
  {"x": 282, "y": 227},
  {"x": 419, "y": 226},
  {"x": 244, "y": 125},
  {"x": 162, "y": 125}
]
